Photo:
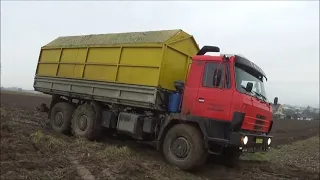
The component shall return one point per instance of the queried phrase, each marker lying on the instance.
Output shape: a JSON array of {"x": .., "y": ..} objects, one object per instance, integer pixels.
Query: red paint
[{"x": 220, "y": 103}]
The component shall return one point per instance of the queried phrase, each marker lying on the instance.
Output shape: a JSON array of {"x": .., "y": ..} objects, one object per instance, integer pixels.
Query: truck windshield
[{"x": 245, "y": 75}]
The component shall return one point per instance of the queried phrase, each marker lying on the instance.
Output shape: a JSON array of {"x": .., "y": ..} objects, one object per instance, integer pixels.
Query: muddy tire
[
  {"x": 86, "y": 122},
  {"x": 61, "y": 115},
  {"x": 183, "y": 146},
  {"x": 231, "y": 157}
]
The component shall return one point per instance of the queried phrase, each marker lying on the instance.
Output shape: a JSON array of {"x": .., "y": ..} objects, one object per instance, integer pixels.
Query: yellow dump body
[{"x": 154, "y": 58}]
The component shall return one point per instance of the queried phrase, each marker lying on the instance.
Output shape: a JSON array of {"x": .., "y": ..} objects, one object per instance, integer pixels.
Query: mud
[{"x": 30, "y": 150}]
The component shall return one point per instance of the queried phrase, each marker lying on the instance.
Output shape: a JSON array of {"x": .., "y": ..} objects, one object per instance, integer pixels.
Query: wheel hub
[
  {"x": 180, "y": 147},
  {"x": 82, "y": 122},
  {"x": 58, "y": 119}
]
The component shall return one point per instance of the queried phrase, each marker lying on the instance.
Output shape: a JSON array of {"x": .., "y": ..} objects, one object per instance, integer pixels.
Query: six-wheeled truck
[{"x": 157, "y": 86}]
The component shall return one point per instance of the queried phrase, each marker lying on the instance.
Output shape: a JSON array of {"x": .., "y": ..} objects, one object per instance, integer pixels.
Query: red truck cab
[
  {"x": 227, "y": 93},
  {"x": 224, "y": 111}
]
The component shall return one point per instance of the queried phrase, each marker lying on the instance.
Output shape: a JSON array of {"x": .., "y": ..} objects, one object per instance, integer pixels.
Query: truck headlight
[
  {"x": 269, "y": 141},
  {"x": 245, "y": 140}
]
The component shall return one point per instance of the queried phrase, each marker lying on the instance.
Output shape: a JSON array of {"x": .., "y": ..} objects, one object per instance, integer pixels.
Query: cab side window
[{"x": 216, "y": 75}]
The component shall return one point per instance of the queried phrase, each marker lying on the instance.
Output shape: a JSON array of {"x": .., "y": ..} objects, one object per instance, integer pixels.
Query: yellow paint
[
  {"x": 69, "y": 55},
  {"x": 177, "y": 37},
  {"x": 82, "y": 54},
  {"x": 174, "y": 68},
  {"x": 77, "y": 72},
  {"x": 70, "y": 70},
  {"x": 104, "y": 55},
  {"x": 141, "y": 57},
  {"x": 187, "y": 46},
  {"x": 47, "y": 69},
  {"x": 50, "y": 55},
  {"x": 138, "y": 75},
  {"x": 66, "y": 70},
  {"x": 184, "y": 43},
  {"x": 100, "y": 73},
  {"x": 149, "y": 64}
]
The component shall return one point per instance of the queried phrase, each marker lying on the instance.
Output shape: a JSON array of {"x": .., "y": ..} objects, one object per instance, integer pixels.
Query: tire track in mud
[
  {"x": 256, "y": 170},
  {"x": 16, "y": 118},
  {"x": 82, "y": 171},
  {"x": 27, "y": 122}
]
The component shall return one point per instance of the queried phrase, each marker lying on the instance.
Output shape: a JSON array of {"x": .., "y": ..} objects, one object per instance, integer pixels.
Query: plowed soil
[{"x": 30, "y": 150}]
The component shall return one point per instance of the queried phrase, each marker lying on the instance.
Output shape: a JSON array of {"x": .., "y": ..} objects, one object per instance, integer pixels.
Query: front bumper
[{"x": 255, "y": 142}]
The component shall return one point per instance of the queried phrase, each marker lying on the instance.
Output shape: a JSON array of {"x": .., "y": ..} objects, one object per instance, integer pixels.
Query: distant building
[
  {"x": 277, "y": 111},
  {"x": 316, "y": 110},
  {"x": 306, "y": 114},
  {"x": 290, "y": 113}
]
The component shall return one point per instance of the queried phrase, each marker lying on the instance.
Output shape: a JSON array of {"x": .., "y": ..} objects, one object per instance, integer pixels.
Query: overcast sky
[{"x": 281, "y": 37}]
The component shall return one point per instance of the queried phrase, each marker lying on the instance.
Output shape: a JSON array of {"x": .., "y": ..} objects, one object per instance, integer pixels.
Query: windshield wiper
[
  {"x": 256, "y": 93},
  {"x": 263, "y": 97},
  {"x": 244, "y": 88}
]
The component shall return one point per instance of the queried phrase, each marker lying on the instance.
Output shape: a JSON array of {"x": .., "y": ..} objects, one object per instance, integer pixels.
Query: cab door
[{"x": 214, "y": 96}]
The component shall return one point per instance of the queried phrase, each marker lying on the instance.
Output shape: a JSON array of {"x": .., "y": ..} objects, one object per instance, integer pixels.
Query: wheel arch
[
  {"x": 54, "y": 100},
  {"x": 172, "y": 121}
]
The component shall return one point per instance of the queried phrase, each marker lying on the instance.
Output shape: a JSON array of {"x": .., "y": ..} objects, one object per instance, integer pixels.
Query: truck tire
[
  {"x": 60, "y": 118},
  {"x": 231, "y": 157},
  {"x": 183, "y": 146},
  {"x": 85, "y": 122}
]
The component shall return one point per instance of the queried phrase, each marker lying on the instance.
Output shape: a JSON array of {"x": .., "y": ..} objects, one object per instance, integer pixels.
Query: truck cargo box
[
  {"x": 155, "y": 58},
  {"x": 125, "y": 67}
]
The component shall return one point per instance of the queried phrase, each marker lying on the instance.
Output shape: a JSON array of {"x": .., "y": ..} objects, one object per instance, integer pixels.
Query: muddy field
[{"x": 30, "y": 150}]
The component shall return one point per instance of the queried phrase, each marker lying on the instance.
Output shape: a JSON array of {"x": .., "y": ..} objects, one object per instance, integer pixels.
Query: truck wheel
[
  {"x": 85, "y": 122},
  {"x": 61, "y": 115},
  {"x": 231, "y": 157},
  {"x": 183, "y": 147}
]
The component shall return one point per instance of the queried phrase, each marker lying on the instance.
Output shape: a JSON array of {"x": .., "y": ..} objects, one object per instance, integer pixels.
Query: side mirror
[
  {"x": 275, "y": 101},
  {"x": 249, "y": 87}
]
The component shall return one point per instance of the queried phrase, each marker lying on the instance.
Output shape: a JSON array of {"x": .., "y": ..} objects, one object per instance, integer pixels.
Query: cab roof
[{"x": 237, "y": 58}]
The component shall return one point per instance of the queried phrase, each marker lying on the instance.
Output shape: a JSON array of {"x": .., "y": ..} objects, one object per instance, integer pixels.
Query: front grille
[{"x": 259, "y": 122}]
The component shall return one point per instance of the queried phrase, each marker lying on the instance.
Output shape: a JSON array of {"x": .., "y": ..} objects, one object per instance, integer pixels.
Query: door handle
[{"x": 201, "y": 100}]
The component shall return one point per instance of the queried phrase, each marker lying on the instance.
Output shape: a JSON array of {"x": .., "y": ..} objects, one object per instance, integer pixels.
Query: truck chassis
[{"x": 185, "y": 140}]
